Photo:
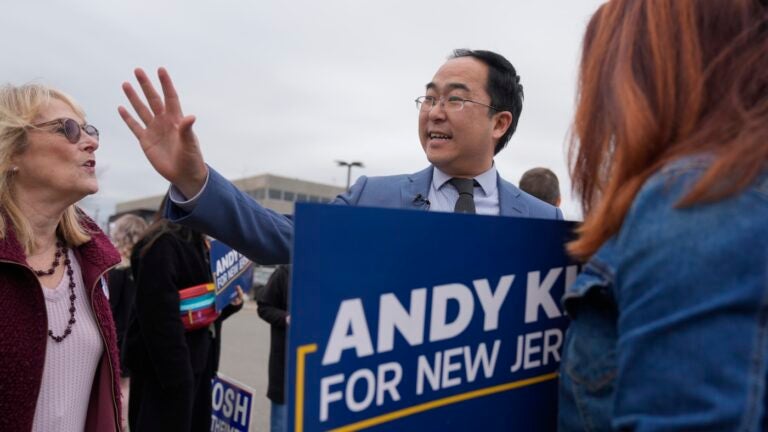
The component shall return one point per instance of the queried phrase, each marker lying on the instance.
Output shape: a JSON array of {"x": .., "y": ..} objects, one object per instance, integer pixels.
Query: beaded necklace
[{"x": 61, "y": 250}]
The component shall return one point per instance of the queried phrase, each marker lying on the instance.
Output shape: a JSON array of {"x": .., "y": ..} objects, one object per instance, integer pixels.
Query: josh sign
[
  {"x": 230, "y": 405},
  {"x": 405, "y": 320}
]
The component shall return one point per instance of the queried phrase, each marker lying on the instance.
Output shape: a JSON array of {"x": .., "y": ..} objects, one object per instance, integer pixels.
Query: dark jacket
[
  {"x": 122, "y": 292},
  {"x": 273, "y": 308},
  {"x": 170, "y": 363},
  {"x": 24, "y": 334},
  {"x": 216, "y": 347}
]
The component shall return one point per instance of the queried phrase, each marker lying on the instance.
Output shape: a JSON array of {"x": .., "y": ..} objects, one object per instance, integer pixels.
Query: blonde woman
[{"x": 59, "y": 366}]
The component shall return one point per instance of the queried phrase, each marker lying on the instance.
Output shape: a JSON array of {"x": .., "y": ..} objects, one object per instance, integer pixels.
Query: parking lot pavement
[{"x": 244, "y": 356}]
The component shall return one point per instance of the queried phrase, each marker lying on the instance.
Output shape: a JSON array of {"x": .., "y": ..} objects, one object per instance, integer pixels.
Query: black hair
[
  {"x": 541, "y": 183},
  {"x": 503, "y": 86},
  {"x": 162, "y": 226}
]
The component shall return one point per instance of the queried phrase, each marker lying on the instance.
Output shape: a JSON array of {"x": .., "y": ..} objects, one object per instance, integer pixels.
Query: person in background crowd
[
  {"x": 543, "y": 184},
  {"x": 122, "y": 289},
  {"x": 467, "y": 115},
  {"x": 235, "y": 306},
  {"x": 171, "y": 367},
  {"x": 59, "y": 364},
  {"x": 273, "y": 308},
  {"x": 670, "y": 159}
]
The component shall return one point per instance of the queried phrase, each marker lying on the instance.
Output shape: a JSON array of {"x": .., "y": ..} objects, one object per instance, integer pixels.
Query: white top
[{"x": 70, "y": 365}]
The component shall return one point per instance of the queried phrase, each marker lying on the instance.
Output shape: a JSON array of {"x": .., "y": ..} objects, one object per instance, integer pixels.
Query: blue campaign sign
[
  {"x": 417, "y": 321},
  {"x": 231, "y": 404},
  {"x": 230, "y": 268}
]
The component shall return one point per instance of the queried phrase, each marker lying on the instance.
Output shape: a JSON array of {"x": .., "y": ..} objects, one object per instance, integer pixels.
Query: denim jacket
[{"x": 670, "y": 317}]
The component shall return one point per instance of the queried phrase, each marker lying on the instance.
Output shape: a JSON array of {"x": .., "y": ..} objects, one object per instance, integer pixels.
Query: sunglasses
[{"x": 71, "y": 129}]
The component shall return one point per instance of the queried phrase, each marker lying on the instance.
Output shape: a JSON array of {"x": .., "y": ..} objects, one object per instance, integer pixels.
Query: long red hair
[{"x": 662, "y": 79}]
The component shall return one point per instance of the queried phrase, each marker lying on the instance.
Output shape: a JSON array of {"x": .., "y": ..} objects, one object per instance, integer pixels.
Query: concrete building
[{"x": 271, "y": 191}]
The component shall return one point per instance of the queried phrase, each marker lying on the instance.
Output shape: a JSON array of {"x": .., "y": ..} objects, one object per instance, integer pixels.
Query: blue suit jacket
[{"x": 265, "y": 236}]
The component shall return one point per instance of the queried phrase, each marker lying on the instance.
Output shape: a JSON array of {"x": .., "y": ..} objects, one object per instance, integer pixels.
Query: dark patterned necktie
[{"x": 466, "y": 201}]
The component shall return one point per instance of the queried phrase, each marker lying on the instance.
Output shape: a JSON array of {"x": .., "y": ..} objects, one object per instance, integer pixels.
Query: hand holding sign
[
  {"x": 231, "y": 271},
  {"x": 239, "y": 298}
]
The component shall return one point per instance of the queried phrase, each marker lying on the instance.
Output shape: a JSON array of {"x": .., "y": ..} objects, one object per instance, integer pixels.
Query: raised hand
[{"x": 166, "y": 136}]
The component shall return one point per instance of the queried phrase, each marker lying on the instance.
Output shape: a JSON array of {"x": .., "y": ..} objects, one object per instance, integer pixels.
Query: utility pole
[{"x": 349, "y": 166}]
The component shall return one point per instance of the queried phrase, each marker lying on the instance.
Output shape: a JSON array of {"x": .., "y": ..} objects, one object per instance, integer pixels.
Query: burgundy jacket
[{"x": 24, "y": 334}]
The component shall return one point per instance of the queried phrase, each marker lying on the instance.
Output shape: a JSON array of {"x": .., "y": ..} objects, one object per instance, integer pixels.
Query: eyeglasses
[
  {"x": 71, "y": 129},
  {"x": 451, "y": 103}
]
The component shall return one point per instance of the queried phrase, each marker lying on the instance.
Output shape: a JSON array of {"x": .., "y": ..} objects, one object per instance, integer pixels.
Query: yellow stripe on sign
[
  {"x": 374, "y": 421},
  {"x": 301, "y": 354}
]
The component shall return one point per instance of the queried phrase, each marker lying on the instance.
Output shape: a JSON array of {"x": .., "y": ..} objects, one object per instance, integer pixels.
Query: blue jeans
[{"x": 277, "y": 418}]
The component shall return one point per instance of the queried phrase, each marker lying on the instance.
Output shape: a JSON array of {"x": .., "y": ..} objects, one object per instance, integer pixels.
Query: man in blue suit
[{"x": 468, "y": 114}]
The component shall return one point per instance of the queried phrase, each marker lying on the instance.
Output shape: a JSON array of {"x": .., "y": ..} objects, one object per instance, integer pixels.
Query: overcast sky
[{"x": 287, "y": 88}]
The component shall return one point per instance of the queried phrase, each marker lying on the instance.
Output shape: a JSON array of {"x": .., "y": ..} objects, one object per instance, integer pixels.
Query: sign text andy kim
[{"x": 427, "y": 320}]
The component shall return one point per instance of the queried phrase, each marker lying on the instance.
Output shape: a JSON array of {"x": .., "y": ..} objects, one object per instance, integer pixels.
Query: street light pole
[{"x": 349, "y": 166}]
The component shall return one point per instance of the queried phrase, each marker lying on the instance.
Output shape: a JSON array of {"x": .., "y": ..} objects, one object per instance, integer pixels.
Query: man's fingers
[
  {"x": 185, "y": 128},
  {"x": 133, "y": 125},
  {"x": 153, "y": 98},
  {"x": 172, "y": 103},
  {"x": 138, "y": 105}
]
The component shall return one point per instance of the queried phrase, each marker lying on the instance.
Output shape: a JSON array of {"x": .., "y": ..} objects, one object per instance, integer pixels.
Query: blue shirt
[{"x": 442, "y": 195}]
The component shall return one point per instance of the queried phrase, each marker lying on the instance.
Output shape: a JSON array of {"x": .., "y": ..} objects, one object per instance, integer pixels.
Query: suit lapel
[
  {"x": 415, "y": 191},
  {"x": 510, "y": 202}
]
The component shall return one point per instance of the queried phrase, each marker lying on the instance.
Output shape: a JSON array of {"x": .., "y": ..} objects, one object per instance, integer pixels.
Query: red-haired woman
[{"x": 670, "y": 158}]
